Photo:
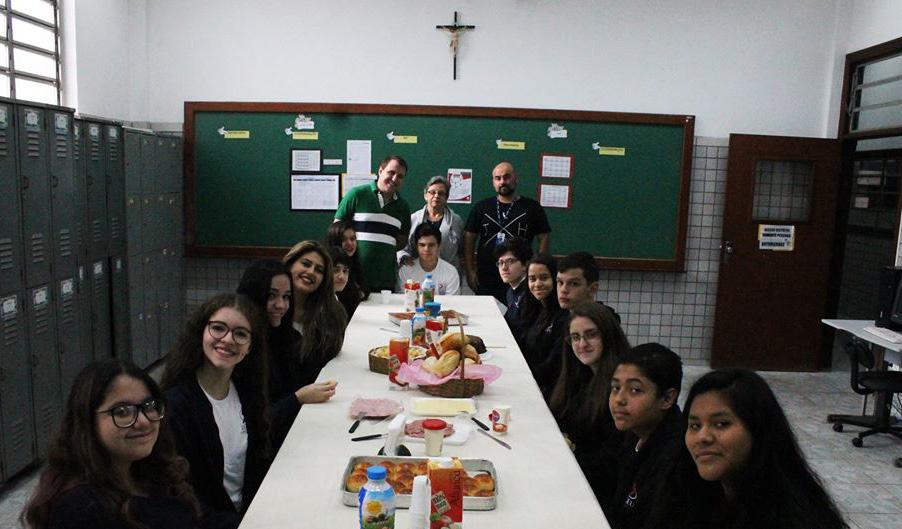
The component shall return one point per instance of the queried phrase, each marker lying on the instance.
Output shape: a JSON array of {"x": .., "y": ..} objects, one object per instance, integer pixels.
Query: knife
[
  {"x": 492, "y": 437},
  {"x": 480, "y": 423},
  {"x": 370, "y": 437},
  {"x": 356, "y": 422}
]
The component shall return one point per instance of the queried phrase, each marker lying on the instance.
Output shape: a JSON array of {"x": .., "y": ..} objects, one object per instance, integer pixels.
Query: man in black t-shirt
[{"x": 494, "y": 220}]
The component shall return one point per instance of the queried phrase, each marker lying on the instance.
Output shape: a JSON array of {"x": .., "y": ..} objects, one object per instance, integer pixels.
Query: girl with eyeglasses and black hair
[
  {"x": 216, "y": 386},
  {"x": 579, "y": 400},
  {"x": 112, "y": 464}
]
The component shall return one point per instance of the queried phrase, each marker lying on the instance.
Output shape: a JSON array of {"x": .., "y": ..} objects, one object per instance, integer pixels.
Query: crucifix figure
[{"x": 455, "y": 30}]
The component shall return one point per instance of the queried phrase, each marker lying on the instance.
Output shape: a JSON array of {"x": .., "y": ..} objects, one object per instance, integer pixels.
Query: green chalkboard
[{"x": 628, "y": 205}]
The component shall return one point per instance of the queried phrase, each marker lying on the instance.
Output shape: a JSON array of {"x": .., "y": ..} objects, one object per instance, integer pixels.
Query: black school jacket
[
  {"x": 197, "y": 439},
  {"x": 643, "y": 473}
]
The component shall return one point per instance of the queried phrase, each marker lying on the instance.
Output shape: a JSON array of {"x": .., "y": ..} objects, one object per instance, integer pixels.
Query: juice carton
[{"x": 446, "y": 474}]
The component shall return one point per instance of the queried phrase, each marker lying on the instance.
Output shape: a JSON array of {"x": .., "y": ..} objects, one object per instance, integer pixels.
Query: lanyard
[{"x": 502, "y": 218}]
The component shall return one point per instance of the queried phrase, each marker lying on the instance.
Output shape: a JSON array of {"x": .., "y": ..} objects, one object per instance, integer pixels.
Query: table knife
[
  {"x": 370, "y": 437},
  {"x": 492, "y": 437},
  {"x": 480, "y": 423}
]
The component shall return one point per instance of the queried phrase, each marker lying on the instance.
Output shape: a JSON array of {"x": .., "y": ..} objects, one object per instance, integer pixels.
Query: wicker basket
[
  {"x": 457, "y": 387},
  {"x": 378, "y": 364}
]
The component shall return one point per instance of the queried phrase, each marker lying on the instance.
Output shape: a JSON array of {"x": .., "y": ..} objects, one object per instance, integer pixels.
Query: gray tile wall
[{"x": 675, "y": 309}]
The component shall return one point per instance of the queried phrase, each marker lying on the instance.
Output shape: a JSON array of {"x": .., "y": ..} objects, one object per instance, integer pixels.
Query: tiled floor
[{"x": 863, "y": 481}]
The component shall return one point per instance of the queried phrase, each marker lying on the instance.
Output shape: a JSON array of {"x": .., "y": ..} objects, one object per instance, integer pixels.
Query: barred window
[{"x": 30, "y": 50}]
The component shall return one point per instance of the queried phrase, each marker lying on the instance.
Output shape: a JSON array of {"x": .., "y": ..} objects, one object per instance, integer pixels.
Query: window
[{"x": 30, "y": 50}]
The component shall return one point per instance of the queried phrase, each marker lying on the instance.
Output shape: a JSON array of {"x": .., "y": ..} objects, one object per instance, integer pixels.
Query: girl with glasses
[
  {"x": 215, "y": 382},
  {"x": 112, "y": 464},
  {"x": 579, "y": 401},
  {"x": 268, "y": 284}
]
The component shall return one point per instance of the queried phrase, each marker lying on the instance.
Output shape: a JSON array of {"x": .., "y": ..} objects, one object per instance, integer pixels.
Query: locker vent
[
  {"x": 33, "y": 145},
  {"x": 3, "y": 147},
  {"x": 95, "y": 151},
  {"x": 62, "y": 146},
  {"x": 37, "y": 248},
  {"x": 65, "y": 242},
  {"x": 114, "y": 150},
  {"x": 76, "y": 151},
  {"x": 10, "y": 332},
  {"x": 41, "y": 319},
  {"x": 96, "y": 231},
  {"x": 114, "y": 227},
  {"x": 17, "y": 438},
  {"x": 6, "y": 254},
  {"x": 67, "y": 309},
  {"x": 48, "y": 419}
]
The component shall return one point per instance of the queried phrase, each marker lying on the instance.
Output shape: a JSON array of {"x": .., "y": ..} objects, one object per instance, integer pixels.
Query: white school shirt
[
  {"x": 233, "y": 436},
  {"x": 447, "y": 281}
]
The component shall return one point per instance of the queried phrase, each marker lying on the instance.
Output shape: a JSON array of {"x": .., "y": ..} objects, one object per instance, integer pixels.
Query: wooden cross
[{"x": 455, "y": 30}]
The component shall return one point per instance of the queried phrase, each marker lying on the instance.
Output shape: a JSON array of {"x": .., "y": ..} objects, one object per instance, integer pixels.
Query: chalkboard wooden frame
[{"x": 192, "y": 108}]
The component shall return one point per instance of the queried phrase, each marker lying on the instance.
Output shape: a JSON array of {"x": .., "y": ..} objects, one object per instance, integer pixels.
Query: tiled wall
[{"x": 675, "y": 309}]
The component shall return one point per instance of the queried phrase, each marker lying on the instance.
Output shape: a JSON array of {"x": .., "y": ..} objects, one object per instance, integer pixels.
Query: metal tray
[{"x": 403, "y": 500}]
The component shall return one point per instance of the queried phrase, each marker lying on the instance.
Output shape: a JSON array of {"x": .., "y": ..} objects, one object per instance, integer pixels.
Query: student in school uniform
[
  {"x": 511, "y": 257},
  {"x": 494, "y": 220},
  {"x": 579, "y": 400},
  {"x": 544, "y": 322},
  {"x": 428, "y": 240},
  {"x": 215, "y": 383},
  {"x": 268, "y": 284},
  {"x": 342, "y": 235},
  {"x": 347, "y": 292},
  {"x": 112, "y": 464},
  {"x": 382, "y": 221},
  {"x": 741, "y": 467},
  {"x": 317, "y": 316},
  {"x": 437, "y": 213},
  {"x": 644, "y": 389}
]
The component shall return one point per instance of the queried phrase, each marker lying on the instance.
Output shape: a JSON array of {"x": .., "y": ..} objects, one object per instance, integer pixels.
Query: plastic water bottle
[
  {"x": 376, "y": 501},
  {"x": 418, "y": 328},
  {"x": 428, "y": 290}
]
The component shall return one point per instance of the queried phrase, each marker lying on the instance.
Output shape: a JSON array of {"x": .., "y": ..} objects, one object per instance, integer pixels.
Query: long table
[{"x": 539, "y": 482}]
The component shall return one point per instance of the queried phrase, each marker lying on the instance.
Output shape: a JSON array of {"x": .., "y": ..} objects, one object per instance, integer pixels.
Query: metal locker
[
  {"x": 137, "y": 331},
  {"x": 16, "y": 406},
  {"x": 163, "y": 222},
  {"x": 115, "y": 178},
  {"x": 10, "y": 213},
  {"x": 148, "y": 212},
  {"x": 176, "y": 165},
  {"x": 101, "y": 326},
  {"x": 119, "y": 297},
  {"x": 132, "y": 162},
  {"x": 134, "y": 221},
  {"x": 148, "y": 164},
  {"x": 84, "y": 337},
  {"x": 178, "y": 222},
  {"x": 80, "y": 192},
  {"x": 45, "y": 375},
  {"x": 150, "y": 263},
  {"x": 95, "y": 178},
  {"x": 164, "y": 291},
  {"x": 34, "y": 185},
  {"x": 62, "y": 189},
  {"x": 69, "y": 343}
]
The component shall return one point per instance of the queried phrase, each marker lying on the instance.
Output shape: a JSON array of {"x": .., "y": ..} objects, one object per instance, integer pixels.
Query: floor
[{"x": 863, "y": 481}]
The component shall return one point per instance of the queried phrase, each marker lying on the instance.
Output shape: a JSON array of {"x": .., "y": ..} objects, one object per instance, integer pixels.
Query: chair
[{"x": 883, "y": 384}]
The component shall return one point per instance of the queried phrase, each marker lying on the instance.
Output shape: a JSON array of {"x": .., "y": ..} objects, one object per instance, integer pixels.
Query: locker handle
[
  {"x": 25, "y": 182},
  {"x": 54, "y": 181}
]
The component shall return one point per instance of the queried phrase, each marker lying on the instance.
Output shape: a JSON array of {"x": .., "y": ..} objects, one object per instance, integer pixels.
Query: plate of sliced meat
[{"x": 457, "y": 432}]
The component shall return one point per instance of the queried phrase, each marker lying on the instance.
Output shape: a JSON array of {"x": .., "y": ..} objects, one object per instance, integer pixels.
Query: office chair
[{"x": 884, "y": 384}]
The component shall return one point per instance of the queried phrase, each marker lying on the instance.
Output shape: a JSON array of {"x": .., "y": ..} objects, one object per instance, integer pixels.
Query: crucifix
[{"x": 455, "y": 30}]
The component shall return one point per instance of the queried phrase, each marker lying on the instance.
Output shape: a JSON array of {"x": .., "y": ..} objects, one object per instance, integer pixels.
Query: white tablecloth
[{"x": 540, "y": 484}]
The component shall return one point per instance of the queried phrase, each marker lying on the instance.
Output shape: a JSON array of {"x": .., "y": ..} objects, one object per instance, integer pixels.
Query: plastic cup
[
  {"x": 385, "y": 297},
  {"x": 500, "y": 417}
]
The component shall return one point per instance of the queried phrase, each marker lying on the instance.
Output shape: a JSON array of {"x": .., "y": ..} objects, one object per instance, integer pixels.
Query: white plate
[
  {"x": 440, "y": 407},
  {"x": 462, "y": 429}
]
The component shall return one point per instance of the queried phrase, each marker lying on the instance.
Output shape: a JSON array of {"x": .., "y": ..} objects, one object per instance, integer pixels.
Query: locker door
[
  {"x": 15, "y": 386},
  {"x": 115, "y": 188},
  {"x": 136, "y": 310},
  {"x": 134, "y": 222},
  {"x": 164, "y": 294},
  {"x": 84, "y": 336},
  {"x": 132, "y": 162},
  {"x": 119, "y": 297},
  {"x": 45, "y": 373},
  {"x": 148, "y": 172},
  {"x": 148, "y": 211},
  {"x": 71, "y": 354},
  {"x": 162, "y": 222},
  {"x": 80, "y": 195},
  {"x": 95, "y": 178},
  {"x": 10, "y": 213},
  {"x": 151, "y": 307},
  {"x": 101, "y": 326},
  {"x": 133, "y": 167},
  {"x": 35, "y": 194},
  {"x": 62, "y": 188}
]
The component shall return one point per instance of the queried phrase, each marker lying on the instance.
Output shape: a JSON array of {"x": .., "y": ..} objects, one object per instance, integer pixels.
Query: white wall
[
  {"x": 873, "y": 22},
  {"x": 754, "y": 67}
]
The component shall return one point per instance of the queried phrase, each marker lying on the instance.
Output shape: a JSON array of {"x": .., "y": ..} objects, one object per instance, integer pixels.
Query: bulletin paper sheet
[
  {"x": 306, "y": 160},
  {"x": 556, "y": 166},
  {"x": 350, "y": 181},
  {"x": 359, "y": 156},
  {"x": 314, "y": 191},
  {"x": 461, "y": 181},
  {"x": 554, "y": 196}
]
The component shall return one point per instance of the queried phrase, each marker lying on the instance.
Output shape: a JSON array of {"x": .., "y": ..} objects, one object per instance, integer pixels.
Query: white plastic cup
[
  {"x": 385, "y": 297},
  {"x": 500, "y": 417}
]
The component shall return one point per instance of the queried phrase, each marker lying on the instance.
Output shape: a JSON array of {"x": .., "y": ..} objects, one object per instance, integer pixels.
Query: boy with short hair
[
  {"x": 512, "y": 256},
  {"x": 427, "y": 242}
]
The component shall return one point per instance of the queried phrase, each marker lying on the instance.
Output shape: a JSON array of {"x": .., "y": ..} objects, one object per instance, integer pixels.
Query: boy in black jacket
[{"x": 644, "y": 391}]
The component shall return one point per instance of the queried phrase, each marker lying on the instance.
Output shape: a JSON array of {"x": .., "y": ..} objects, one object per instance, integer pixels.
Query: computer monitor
[{"x": 889, "y": 299}]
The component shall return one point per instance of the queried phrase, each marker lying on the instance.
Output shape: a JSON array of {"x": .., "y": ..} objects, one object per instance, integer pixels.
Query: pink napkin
[{"x": 411, "y": 373}]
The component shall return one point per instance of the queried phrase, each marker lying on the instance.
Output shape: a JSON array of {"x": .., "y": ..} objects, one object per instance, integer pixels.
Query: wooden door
[{"x": 770, "y": 298}]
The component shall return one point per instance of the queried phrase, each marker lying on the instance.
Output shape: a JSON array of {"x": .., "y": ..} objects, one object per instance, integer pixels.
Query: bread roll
[{"x": 355, "y": 481}]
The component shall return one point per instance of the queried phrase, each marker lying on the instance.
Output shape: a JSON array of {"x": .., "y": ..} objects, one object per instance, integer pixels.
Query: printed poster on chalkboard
[
  {"x": 461, "y": 181},
  {"x": 314, "y": 192}
]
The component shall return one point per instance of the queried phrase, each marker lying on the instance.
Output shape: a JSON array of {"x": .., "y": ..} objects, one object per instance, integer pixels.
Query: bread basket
[{"x": 459, "y": 387}]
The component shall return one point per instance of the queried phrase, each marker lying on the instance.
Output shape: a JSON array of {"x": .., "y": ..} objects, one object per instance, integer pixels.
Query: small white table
[
  {"x": 540, "y": 484},
  {"x": 892, "y": 351}
]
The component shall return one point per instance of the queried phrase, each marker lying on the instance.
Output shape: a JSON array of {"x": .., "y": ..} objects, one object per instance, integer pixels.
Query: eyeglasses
[
  {"x": 436, "y": 193},
  {"x": 126, "y": 415},
  {"x": 219, "y": 330},
  {"x": 509, "y": 261},
  {"x": 591, "y": 334}
]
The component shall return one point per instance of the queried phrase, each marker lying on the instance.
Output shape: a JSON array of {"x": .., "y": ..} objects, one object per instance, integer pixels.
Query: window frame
[
  {"x": 853, "y": 61},
  {"x": 12, "y": 44}
]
